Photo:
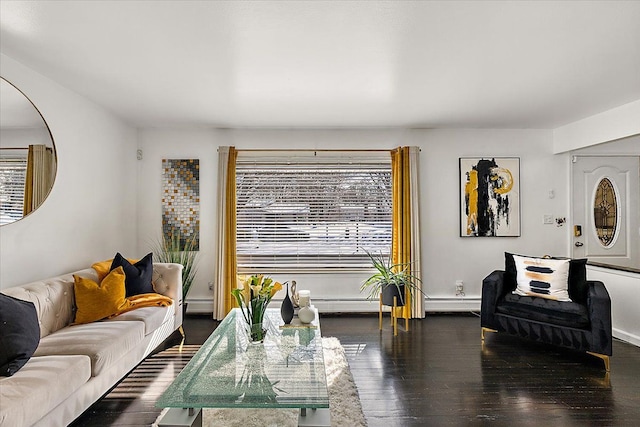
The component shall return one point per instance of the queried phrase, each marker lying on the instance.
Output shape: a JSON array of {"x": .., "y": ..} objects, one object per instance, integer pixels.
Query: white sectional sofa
[{"x": 74, "y": 365}]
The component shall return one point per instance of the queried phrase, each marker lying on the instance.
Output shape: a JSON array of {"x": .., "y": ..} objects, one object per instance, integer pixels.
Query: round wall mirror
[{"x": 27, "y": 155}]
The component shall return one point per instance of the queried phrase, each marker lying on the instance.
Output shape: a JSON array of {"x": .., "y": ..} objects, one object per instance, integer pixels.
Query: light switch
[{"x": 547, "y": 219}]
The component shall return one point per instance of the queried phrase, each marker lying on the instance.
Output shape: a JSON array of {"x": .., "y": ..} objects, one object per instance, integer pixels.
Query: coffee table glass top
[{"x": 285, "y": 371}]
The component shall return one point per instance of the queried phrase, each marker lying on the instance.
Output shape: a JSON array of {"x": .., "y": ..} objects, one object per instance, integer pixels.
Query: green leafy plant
[
  {"x": 172, "y": 250},
  {"x": 388, "y": 274}
]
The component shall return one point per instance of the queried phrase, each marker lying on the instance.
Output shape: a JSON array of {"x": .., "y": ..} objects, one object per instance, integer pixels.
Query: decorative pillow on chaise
[
  {"x": 19, "y": 333},
  {"x": 138, "y": 275},
  {"x": 542, "y": 277},
  {"x": 96, "y": 301}
]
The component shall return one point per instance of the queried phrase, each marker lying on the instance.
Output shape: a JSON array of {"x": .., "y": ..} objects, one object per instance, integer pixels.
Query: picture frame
[{"x": 489, "y": 196}]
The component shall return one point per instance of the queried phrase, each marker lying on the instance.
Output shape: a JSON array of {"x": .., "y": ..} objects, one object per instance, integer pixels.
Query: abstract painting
[
  {"x": 181, "y": 200},
  {"x": 490, "y": 197}
]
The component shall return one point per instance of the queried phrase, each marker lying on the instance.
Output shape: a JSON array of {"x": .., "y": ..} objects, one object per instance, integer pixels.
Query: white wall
[
  {"x": 617, "y": 123},
  {"x": 625, "y": 300},
  {"x": 629, "y": 146},
  {"x": 90, "y": 213},
  {"x": 22, "y": 138},
  {"x": 446, "y": 256},
  {"x": 180, "y": 144}
]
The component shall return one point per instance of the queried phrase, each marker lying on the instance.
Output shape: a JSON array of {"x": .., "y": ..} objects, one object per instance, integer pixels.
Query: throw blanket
[{"x": 143, "y": 300}]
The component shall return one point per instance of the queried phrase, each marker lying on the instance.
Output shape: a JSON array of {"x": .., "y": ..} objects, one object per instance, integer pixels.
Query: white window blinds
[
  {"x": 300, "y": 212},
  {"x": 13, "y": 170}
]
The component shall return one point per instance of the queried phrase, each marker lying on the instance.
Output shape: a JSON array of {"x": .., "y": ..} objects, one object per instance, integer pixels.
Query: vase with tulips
[{"x": 253, "y": 296}]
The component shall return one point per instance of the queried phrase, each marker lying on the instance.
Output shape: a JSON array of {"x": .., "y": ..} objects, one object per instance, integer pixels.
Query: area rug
[{"x": 344, "y": 401}]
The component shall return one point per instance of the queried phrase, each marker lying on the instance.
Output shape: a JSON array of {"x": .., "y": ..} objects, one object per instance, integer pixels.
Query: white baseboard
[
  {"x": 452, "y": 304},
  {"x": 625, "y": 336},
  {"x": 356, "y": 305},
  {"x": 199, "y": 305}
]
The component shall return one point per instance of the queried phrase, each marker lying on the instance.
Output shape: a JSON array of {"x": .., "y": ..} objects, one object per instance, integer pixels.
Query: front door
[{"x": 605, "y": 192}]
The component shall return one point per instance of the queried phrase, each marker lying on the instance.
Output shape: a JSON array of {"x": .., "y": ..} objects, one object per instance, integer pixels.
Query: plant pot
[
  {"x": 184, "y": 309},
  {"x": 390, "y": 291}
]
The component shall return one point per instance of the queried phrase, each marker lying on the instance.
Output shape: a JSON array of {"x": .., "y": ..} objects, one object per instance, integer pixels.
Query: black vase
[{"x": 286, "y": 310}]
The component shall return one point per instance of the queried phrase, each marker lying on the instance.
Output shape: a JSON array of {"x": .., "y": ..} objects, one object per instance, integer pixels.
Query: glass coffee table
[{"x": 285, "y": 371}]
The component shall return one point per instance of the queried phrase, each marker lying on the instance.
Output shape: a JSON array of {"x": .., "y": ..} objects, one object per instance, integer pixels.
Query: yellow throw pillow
[
  {"x": 97, "y": 301},
  {"x": 103, "y": 267}
]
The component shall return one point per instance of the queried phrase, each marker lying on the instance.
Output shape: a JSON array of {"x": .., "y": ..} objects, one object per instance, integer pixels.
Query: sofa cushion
[
  {"x": 19, "y": 333},
  {"x": 96, "y": 301},
  {"x": 152, "y": 317},
  {"x": 559, "y": 313},
  {"x": 104, "y": 342},
  {"x": 138, "y": 275},
  {"x": 577, "y": 277},
  {"x": 42, "y": 384},
  {"x": 543, "y": 277}
]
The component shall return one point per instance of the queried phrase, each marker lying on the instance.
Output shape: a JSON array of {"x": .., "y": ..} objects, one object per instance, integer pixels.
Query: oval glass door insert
[{"x": 605, "y": 212}]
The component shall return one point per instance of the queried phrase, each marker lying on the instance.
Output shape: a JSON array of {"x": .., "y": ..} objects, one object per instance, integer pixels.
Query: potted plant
[
  {"x": 390, "y": 280},
  {"x": 170, "y": 249}
]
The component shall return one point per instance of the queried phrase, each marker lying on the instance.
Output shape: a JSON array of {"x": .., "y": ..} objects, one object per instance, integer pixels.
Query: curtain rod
[
  {"x": 14, "y": 148},
  {"x": 323, "y": 150}
]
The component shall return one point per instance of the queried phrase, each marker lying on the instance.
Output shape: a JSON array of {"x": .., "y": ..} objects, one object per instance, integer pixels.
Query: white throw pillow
[{"x": 542, "y": 277}]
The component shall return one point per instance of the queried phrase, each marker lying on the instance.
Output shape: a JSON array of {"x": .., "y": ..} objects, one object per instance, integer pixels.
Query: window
[
  {"x": 13, "y": 170},
  {"x": 605, "y": 212},
  {"x": 312, "y": 212}
]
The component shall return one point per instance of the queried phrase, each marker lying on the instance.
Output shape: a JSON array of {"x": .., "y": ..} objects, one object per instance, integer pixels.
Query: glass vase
[{"x": 256, "y": 332}]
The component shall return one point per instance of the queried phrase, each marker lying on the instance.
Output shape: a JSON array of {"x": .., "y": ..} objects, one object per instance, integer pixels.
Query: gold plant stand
[{"x": 394, "y": 316}]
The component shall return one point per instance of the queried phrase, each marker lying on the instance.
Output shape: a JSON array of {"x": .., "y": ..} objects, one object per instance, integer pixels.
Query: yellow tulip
[
  {"x": 246, "y": 291},
  {"x": 256, "y": 289},
  {"x": 276, "y": 287}
]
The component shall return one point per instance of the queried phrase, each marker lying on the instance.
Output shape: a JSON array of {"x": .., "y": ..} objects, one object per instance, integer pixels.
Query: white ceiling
[{"x": 335, "y": 63}]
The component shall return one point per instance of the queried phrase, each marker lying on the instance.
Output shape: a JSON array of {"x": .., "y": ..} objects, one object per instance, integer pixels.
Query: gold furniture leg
[
  {"x": 486, "y": 330},
  {"x": 393, "y": 313},
  {"x": 604, "y": 358},
  {"x": 380, "y": 312},
  {"x": 407, "y": 307},
  {"x": 183, "y": 338},
  {"x": 395, "y": 316}
]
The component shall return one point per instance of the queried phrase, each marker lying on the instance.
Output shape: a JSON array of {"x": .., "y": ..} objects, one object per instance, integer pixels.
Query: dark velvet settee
[{"x": 584, "y": 324}]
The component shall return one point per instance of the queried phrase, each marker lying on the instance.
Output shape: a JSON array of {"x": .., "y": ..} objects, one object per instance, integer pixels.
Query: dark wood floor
[{"x": 439, "y": 374}]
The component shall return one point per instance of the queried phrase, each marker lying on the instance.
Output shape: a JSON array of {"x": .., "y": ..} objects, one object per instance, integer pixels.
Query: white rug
[{"x": 344, "y": 401}]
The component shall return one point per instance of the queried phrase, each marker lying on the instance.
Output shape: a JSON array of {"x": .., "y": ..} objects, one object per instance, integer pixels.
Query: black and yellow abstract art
[
  {"x": 181, "y": 201},
  {"x": 490, "y": 197}
]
